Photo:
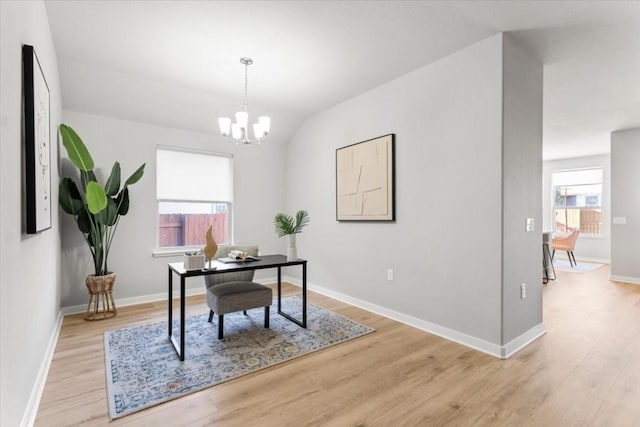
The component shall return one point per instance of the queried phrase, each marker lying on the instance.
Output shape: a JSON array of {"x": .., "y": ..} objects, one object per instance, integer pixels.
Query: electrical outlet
[
  {"x": 389, "y": 274},
  {"x": 523, "y": 290}
]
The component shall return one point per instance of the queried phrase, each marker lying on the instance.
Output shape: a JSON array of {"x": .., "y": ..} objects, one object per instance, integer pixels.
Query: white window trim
[
  {"x": 602, "y": 234},
  {"x": 172, "y": 251}
]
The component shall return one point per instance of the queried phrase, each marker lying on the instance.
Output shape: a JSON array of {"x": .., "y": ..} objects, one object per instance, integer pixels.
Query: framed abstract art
[
  {"x": 365, "y": 178},
  {"x": 36, "y": 143}
]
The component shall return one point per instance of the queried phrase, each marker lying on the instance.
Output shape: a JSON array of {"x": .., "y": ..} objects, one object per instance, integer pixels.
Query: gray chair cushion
[{"x": 237, "y": 296}]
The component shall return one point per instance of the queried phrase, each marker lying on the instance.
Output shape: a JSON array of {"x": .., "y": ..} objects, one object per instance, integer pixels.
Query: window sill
[
  {"x": 164, "y": 253},
  {"x": 174, "y": 252},
  {"x": 592, "y": 236}
]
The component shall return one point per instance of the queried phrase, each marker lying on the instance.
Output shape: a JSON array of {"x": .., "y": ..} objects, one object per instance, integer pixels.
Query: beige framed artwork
[{"x": 365, "y": 180}]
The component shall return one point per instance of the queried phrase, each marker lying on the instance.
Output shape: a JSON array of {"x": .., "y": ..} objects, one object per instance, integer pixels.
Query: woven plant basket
[{"x": 101, "y": 305}]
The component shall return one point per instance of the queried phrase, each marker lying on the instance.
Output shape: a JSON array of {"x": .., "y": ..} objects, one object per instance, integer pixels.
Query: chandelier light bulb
[
  {"x": 236, "y": 131},
  {"x": 225, "y": 125},
  {"x": 258, "y": 132},
  {"x": 265, "y": 124}
]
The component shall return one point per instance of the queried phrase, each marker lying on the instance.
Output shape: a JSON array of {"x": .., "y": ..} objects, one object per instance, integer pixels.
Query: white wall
[
  {"x": 258, "y": 188},
  {"x": 625, "y": 202},
  {"x": 29, "y": 264},
  {"x": 446, "y": 243},
  {"x": 596, "y": 248},
  {"x": 95, "y": 89}
]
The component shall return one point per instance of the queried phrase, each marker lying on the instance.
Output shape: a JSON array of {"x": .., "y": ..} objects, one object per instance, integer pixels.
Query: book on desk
[{"x": 238, "y": 256}]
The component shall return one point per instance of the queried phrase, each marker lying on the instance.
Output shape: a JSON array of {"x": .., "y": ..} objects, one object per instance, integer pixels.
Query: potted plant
[
  {"x": 96, "y": 209},
  {"x": 286, "y": 225}
]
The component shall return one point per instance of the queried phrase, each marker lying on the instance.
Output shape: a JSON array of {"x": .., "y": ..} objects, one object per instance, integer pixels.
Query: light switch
[
  {"x": 620, "y": 220},
  {"x": 530, "y": 226}
]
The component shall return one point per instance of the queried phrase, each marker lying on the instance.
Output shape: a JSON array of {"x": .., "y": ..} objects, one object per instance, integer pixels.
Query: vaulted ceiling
[{"x": 176, "y": 63}]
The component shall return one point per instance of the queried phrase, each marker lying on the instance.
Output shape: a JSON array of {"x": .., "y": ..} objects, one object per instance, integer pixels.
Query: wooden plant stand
[{"x": 101, "y": 295}]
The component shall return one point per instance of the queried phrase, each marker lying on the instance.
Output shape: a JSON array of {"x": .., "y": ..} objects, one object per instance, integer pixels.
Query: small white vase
[{"x": 292, "y": 252}]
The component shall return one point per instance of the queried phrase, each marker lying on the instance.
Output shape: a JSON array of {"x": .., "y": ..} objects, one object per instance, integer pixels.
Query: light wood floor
[{"x": 584, "y": 372}]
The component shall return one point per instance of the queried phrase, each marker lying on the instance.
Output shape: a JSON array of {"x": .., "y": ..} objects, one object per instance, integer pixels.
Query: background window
[
  {"x": 578, "y": 200},
  {"x": 194, "y": 191}
]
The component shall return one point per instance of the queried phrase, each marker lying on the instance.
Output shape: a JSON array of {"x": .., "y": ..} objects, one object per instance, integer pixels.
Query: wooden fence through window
[
  {"x": 190, "y": 229},
  {"x": 588, "y": 221}
]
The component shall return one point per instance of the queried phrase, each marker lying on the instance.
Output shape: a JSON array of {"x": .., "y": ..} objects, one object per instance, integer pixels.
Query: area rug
[
  {"x": 581, "y": 267},
  {"x": 143, "y": 368}
]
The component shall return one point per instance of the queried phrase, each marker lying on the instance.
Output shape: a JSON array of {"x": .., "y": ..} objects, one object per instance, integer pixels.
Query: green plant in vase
[
  {"x": 96, "y": 209},
  {"x": 286, "y": 225}
]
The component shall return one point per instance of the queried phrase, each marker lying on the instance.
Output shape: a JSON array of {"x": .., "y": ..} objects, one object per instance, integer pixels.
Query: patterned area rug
[
  {"x": 581, "y": 267},
  {"x": 143, "y": 369}
]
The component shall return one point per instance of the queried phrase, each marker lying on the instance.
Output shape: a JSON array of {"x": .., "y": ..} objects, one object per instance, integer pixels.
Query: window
[
  {"x": 194, "y": 191},
  {"x": 577, "y": 200}
]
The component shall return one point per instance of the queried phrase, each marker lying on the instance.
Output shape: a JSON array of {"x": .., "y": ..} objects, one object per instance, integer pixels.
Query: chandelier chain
[{"x": 246, "y": 86}]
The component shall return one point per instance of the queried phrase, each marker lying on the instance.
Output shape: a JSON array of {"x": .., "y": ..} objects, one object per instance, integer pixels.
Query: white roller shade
[
  {"x": 576, "y": 177},
  {"x": 194, "y": 176}
]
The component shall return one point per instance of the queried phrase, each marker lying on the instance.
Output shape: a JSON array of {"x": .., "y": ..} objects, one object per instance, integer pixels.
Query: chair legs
[
  {"x": 266, "y": 317},
  {"x": 220, "y": 326},
  {"x": 221, "y": 321},
  {"x": 570, "y": 255}
]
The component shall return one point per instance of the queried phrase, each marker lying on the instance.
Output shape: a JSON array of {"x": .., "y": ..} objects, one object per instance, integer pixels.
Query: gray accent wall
[
  {"x": 446, "y": 245},
  {"x": 29, "y": 264},
  {"x": 625, "y": 203},
  {"x": 521, "y": 191}
]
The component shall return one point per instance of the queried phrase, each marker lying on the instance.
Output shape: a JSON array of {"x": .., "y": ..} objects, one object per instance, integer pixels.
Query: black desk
[{"x": 266, "y": 261}]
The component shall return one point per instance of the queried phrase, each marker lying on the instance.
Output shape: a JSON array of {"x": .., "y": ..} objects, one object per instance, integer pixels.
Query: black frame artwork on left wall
[{"x": 37, "y": 143}]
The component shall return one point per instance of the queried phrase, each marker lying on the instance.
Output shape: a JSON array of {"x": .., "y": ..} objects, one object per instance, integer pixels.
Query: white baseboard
[
  {"x": 272, "y": 280},
  {"x": 31, "y": 411},
  {"x": 598, "y": 260},
  {"x": 559, "y": 255},
  {"x": 625, "y": 279},
  {"x": 123, "y": 302},
  {"x": 501, "y": 352},
  {"x": 523, "y": 340}
]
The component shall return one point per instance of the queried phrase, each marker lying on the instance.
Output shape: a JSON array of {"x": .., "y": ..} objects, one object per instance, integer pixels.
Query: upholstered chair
[
  {"x": 566, "y": 243},
  {"x": 235, "y": 291}
]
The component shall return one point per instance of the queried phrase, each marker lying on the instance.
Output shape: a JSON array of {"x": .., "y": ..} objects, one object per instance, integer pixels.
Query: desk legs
[
  {"x": 302, "y": 323},
  {"x": 170, "y": 299},
  {"x": 179, "y": 348},
  {"x": 547, "y": 264},
  {"x": 304, "y": 295},
  {"x": 279, "y": 290}
]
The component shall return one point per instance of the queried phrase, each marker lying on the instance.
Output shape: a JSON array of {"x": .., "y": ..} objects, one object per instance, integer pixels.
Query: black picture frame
[
  {"x": 365, "y": 180},
  {"x": 37, "y": 143}
]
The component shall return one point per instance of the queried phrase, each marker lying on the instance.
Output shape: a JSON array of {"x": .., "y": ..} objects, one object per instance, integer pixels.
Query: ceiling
[{"x": 177, "y": 62}]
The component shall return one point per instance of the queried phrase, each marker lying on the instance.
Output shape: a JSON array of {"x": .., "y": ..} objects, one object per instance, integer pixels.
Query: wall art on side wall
[
  {"x": 37, "y": 143},
  {"x": 365, "y": 180}
]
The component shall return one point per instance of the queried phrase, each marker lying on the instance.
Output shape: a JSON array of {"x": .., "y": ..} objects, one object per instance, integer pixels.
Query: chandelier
[{"x": 238, "y": 132}]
